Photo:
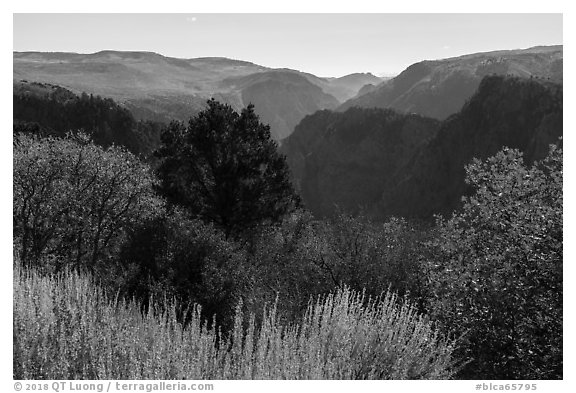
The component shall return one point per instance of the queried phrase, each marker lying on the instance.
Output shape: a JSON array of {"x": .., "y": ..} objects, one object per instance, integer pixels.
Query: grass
[{"x": 66, "y": 327}]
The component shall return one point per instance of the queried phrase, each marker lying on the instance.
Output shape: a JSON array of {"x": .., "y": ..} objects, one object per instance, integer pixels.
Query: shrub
[
  {"x": 343, "y": 335},
  {"x": 282, "y": 261},
  {"x": 496, "y": 269},
  {"x": 370, "y": 255},
  {"x": 73, "y": 201},
  {"x": 302, "y": 258},
  {"x": 65, "y": 327},
  {"x": 183, "y": 258}
]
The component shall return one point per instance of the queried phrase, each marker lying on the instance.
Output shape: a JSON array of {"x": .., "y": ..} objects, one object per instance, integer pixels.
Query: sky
[{"x": 323, "y": 44}]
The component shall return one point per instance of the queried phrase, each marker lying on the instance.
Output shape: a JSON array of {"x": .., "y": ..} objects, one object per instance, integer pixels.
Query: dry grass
[{"x": 65, "y": 327}]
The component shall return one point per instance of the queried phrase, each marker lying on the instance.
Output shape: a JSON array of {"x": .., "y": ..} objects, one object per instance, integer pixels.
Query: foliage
[
  {"x": 184, "y": 259},
  {"x": 73, "y": 201},
  {"x": 65, "y": 327},
  {"x": 44, "y": 109},
  {"x": 224, "y": 168},
  {"x": 364, "y": 254},
  {"x": 343, "y": 335},
  {"x": 282, "y": 258},
  {"x": 233, "y": 241},
  {"x": 303, "y": 257},
  {"x": 496, "y": 269}
]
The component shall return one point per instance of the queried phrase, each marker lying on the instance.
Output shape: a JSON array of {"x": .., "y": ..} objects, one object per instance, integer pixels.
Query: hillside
[
  {"x": 439, "y": 88},
  {"x": 160, "y": 88},
  {"x": 46, "y": 109},
  {"x": 386, "y": 163},
  {"x": 348, "y": 86},
  {"x": 341, "y": 161},
  {"x": 281, "y": 99},
  {"x": 505, "y": 112},
  {"x": 124, "y": 75}
]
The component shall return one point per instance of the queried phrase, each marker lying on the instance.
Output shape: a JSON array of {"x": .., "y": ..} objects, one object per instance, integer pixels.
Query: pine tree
[{"x": 224, "y": 168}]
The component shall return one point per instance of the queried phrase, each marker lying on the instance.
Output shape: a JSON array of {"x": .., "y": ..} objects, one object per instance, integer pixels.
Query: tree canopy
[
  {"x": 496, "y": 275},
  {"x": 225, "y": 169},
  {"x": 73, "y": 201}
]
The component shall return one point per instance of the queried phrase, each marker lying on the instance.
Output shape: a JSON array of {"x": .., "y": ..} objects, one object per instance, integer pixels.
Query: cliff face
[
  {"x": 406, "y": 165},
  {"x": 342, "y": 160},
  {"x": 511, "y": 112}
]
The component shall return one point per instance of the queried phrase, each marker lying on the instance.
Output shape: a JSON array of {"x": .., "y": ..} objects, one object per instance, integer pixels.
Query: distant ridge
[
  {"x": 160, "y": 88},
  {"x": 439, "y": 88}
]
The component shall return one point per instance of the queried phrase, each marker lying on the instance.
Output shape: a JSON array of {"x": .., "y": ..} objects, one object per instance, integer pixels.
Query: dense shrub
[
  {"x": 491, "y": 274},
  {"x": 65, "y": 327},
  {"x": 284, "y": 259},
  {"x": 186, "y": 259},
  {"x": 73, "y": 201},
  {"x": 496, "y": 269},
  {"x": 343, "y": 335},
  {"x": 371, "y": 255},
  {"x": 303, "y": 257}
]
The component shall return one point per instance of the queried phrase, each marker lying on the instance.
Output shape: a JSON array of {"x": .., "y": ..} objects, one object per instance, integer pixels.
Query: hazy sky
[{"x": 323, "y": 44}]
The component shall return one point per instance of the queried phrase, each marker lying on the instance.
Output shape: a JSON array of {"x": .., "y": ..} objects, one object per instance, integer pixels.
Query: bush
[
  {"x": 185, "y": 259},
  {"x": 282, "y": 261},
  {"x": 495, "y": 272},
  {"x": 343, "y": 335},
  {"x": 372, "y": 256},
  {"x": 73, "y": 201},
  {"x": 65, "y": 327},
  {"x": 302, "y": 258}
]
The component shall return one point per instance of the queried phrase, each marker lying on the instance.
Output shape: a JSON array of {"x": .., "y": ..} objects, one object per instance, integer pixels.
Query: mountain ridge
[
  {"x": 384, "y": 163},
  {"x": 439, "y": 88},
  {"x": 161, "y": 88}
]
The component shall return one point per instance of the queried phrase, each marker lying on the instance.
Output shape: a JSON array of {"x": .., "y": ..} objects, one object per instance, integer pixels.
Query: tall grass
[{"x": 66, "y": 327}]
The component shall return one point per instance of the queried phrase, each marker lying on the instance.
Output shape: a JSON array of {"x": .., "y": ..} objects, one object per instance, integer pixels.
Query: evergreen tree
[{"x": 224, "y": 168}]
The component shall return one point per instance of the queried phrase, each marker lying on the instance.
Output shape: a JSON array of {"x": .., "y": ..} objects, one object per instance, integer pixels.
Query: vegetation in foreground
[{"x": 66, "y": 327}]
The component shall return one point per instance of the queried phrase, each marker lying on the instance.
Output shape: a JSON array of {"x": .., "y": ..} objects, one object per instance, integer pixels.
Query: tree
[
  {"x": 73, "y": 201},
  {"x": 43, "y": 109},
  {"x": 224, "y": 168},
  {"x": 496, "y": 269}
]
